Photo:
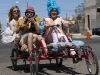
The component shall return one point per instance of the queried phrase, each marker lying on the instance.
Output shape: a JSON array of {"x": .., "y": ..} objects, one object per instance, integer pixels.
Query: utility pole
[
  {"x": 27, "y": 4},
  {"x": 66, "y": 16}
]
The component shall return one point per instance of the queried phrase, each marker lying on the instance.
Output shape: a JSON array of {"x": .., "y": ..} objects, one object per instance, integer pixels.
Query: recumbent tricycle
[{"x": 57, "y": 51}]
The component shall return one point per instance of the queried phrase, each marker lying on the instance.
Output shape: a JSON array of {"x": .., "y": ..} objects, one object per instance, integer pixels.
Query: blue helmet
[{"x": 51, "y": 4}]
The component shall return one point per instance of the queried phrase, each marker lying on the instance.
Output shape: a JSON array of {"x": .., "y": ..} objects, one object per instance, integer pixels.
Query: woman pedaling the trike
[{"x": 53, "y": 26}]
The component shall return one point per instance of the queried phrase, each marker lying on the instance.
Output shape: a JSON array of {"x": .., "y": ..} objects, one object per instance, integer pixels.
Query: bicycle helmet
[{"x": 30, "y": 9}]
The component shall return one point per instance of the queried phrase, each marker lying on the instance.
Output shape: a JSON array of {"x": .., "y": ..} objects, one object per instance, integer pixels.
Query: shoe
[
  {"x": 72, "y": 52},
  {"x": 28, "y": 58},
  {"x": 30, "y": 55},
  {"x": 46, "y": 56}
]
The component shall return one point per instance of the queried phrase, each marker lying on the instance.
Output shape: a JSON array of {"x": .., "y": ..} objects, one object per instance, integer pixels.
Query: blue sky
[{"x": 67, "y": 6}]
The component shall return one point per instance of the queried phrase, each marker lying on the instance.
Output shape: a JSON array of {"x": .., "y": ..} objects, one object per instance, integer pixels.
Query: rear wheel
[
  {"x": 92, "y": 62},
  {"x": 14, "y": 61},
  {"x": 33, "y": 64}
]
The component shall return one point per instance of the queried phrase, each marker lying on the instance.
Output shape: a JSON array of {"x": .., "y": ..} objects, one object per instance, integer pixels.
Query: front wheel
[
  {"x": 14, "y": 61},
  {"x": 33, "y": 64},
  {"x": 92, "y": 62}
]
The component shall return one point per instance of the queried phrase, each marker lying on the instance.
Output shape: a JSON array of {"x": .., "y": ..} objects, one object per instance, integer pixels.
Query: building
[
  {"x": 92, "y": 17},
  {"x": 1, "y": 27}
]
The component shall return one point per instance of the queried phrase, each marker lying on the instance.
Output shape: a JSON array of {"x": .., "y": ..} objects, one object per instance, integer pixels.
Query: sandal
[{"x": 72, "y": 52}]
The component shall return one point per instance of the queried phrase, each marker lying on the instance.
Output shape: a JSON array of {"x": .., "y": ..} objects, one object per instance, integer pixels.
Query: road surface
[{"x": 45, "y": 68}]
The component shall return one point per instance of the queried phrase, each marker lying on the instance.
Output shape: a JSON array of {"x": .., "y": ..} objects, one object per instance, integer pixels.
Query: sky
[{"x": 67, "y": 7}]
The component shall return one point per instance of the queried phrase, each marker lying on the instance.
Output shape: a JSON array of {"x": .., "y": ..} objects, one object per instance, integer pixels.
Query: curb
[{"x": 83, "y": 36}]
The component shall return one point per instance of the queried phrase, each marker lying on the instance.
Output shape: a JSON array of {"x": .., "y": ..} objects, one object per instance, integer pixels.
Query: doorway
[{"x": 88, "y": 21}]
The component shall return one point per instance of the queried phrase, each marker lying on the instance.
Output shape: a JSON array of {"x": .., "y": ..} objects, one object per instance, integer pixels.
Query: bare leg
[
  {"x": 39, "y": 38},
  {"x": 30, "y": 41}
]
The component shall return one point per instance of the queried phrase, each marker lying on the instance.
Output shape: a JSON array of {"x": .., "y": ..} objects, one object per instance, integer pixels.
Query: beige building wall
[
  {"x": 89, "y": 3},
  {"x": 97, "y": 14},
  {"x": 90, "y": 8},
  {"x": 97, "y": 1},
  {"x": 90, "y": 22},
  {"x": 97, "y": 20}
]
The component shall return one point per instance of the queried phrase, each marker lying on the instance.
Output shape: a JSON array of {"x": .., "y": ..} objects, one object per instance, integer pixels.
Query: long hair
[{"x": 10, "y": 14}]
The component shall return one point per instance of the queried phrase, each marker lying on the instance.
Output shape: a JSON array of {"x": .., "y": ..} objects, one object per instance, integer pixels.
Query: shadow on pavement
[{"x": 43, "y": 68}]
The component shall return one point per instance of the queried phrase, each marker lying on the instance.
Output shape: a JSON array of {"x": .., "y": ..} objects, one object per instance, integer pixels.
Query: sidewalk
[{"x": 78, "y": 35}]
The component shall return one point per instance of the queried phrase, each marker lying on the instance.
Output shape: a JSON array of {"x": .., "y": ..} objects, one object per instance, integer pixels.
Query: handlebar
[{"x": 54, "y": 25}]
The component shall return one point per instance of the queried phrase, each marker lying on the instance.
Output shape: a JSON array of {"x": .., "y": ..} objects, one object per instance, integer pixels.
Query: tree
[
  {"x": 79, "y": 17},
  {"x": 79, "y": 11}
]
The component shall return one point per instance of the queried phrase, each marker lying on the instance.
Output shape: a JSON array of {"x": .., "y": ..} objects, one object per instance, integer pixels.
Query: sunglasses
[
  {"x": 54, "y": 11},
  {"x": 29, "y": 14},
  {"x": 16, "y": 11}
]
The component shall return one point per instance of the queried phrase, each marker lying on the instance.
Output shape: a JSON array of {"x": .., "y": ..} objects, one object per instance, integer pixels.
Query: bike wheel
[
  {"x": 14, "y": 61},
  {"x": 33, "y": 65},
  {"x": 92, "y": 62},
  {"x": 58, "y": 62}
]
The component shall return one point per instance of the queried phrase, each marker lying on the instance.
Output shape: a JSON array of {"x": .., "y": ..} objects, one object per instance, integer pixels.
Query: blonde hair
[{"x": 10, "y": 14}]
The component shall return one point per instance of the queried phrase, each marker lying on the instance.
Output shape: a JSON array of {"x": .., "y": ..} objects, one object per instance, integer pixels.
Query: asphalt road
[{"x": 45, "y": 68}]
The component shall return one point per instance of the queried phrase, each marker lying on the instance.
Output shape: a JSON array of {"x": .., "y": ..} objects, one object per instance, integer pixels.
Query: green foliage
[
  {"x": 79, "y": 17},
  {"x": 79, "y": 11}
]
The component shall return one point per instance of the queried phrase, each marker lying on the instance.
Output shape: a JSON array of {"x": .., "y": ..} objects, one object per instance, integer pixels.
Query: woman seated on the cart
[
  {"x": 29, "y": 30},
  {"x": 9, "y": 34}
]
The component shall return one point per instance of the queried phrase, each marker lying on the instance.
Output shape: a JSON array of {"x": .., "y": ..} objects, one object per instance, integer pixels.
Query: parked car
[{"x": 96, "y": 31}]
